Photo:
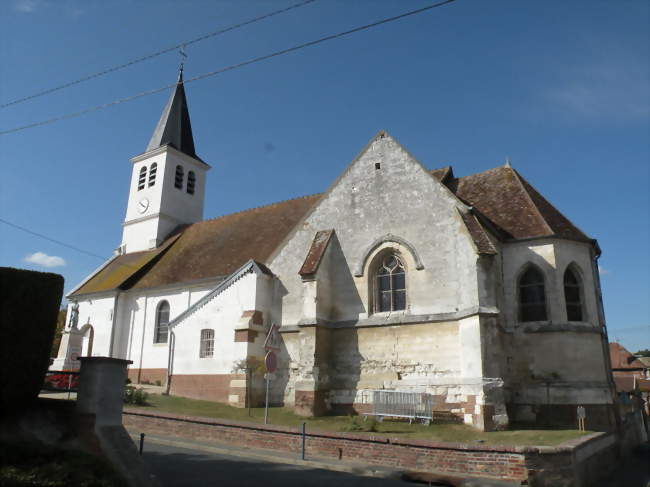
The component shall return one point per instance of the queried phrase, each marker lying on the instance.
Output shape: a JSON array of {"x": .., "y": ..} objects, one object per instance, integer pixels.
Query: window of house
[
  {"x": 573, "y": 295},
  {"x": 191, "y": 182},
  {"x": 532, "y": 297},
  {"x": 152, "y": 174},
  {"x": 162, "y": 323},
  {"x": 391, "y": 284},
  {"x": 207, "y": 344},
  {"x": 142, "y": 180},
  {"x": 178, "y": 179}
]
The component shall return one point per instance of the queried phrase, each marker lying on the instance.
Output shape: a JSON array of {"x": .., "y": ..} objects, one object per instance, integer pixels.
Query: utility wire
[
  {"x": 155, "y": 54},
  {"x": 230, "y": 68},
  {"x": 40, "y": 235}
]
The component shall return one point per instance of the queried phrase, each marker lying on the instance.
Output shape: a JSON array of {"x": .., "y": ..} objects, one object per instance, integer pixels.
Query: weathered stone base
[
  {"x": 599, "y": 417},
  {"x": 310, "y": 403}
]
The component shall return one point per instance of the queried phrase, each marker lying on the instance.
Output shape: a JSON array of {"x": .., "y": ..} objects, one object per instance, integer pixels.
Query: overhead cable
[
  {"x": 228, "y": 68},
  {"x": 155, "y": 54}
]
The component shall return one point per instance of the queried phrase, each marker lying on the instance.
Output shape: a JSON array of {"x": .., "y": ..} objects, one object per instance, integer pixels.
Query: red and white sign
[
  {"x": 271, "y": 361},
  {"x": 272, "y": 341}
]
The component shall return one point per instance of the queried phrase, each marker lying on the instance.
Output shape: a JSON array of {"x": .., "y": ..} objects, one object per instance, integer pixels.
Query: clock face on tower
[{"x": 143, "y": 204}]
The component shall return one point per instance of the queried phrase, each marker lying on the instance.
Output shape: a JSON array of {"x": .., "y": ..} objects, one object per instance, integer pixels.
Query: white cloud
[
  {"x": 26, "y": 6},
  {"x": 39, "y": 258}
]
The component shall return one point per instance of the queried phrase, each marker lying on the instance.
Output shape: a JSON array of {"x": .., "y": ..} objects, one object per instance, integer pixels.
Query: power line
[
  {"x": 155, "y": 54},
  {"x": 59, "y": 242},
  {"x": 230, "y": 68}
]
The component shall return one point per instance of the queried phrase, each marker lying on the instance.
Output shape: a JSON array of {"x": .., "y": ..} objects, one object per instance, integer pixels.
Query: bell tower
[{"x": 168, "y": 180}]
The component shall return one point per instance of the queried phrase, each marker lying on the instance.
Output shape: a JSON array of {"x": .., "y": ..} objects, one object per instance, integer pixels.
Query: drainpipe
[
  {"x": 114, "y": 321},
  {"x": 144, "y": 327},
  {"x": 170, "y": 360}
]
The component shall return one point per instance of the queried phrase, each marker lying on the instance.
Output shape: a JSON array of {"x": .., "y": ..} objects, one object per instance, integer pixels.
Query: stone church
[{"x": 474, "y": 289}]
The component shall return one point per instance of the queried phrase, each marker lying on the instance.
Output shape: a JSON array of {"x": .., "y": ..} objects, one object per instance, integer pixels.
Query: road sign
[
  {"x": 272, "y": 341},
  {"x": 271, "y": 361}
]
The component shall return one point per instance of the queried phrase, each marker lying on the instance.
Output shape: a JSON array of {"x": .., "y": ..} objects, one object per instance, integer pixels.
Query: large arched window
[
  {"x": 390, "y": 282},
  {"x": 142, "y": 180},
  {"x": 178, "y": 179},
  {"x": 191, "y": 182},
  {"x": 207, "y": 344},
  {"x": 162, "y": 323},
  {"x": 532, "y": 297},
  {"x": 573, "y": 295},
  {"x": 152, "y": 174}
]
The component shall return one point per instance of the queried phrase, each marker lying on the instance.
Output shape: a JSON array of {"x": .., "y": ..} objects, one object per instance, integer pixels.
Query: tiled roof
[
  {"x": 513, "y": 205},
  {"x": 316, "y": 252},
  {"x": 622, "y": 359},
  {"x": 504, "y": 204}
]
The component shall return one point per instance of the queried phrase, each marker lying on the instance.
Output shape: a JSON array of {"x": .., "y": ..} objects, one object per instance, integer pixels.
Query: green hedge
[{"x": 29, "y": 305}]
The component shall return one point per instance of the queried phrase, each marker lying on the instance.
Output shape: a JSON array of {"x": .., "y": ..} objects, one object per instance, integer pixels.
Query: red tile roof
[{"x": 622, "y": 359}]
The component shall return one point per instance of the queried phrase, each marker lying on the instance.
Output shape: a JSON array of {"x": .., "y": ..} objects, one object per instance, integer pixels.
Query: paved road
[{"x": 180, "y": 467}]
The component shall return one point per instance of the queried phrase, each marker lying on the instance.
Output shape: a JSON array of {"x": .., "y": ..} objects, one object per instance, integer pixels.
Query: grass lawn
[
  {"x": 33, "y": 464},
  {"x": 458, "y": 433}
]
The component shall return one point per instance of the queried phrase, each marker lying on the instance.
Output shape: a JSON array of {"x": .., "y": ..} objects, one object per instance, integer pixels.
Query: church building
[{"x": 474, "y": 289}]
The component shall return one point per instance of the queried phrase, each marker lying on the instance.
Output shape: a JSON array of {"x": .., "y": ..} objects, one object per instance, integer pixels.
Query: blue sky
[{"x": 559, "y": 87}]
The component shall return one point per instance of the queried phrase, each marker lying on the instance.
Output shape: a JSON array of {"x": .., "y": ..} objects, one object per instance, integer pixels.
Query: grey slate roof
[{"x": 174, "y": 127}]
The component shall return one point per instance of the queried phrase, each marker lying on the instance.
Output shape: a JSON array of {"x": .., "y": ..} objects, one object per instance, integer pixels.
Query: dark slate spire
[{"x": 174, "y": 127}]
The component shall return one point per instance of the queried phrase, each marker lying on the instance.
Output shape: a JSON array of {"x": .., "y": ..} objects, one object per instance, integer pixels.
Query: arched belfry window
[
  {"x": 191, "y": 182},
  {"x": 162, "y": 323},
  {"x": 178, "y": 179},
  {"x": 152, "y": 174},
  {"x": 142, "y": 180},
  {"x": 532, "y": 296},
  {"x": 390, "y": 282},
  {"x": 573, "y": 295}
]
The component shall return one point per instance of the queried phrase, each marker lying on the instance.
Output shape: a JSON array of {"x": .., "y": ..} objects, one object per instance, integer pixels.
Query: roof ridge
[
  {"x": 519, "y": 178},
  {"x": 552, "y": 206},
  {"x": 258, "y": 207}
]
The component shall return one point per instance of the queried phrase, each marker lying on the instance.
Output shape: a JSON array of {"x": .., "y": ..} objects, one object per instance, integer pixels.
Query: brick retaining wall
[{"x": 525, "y": 465}]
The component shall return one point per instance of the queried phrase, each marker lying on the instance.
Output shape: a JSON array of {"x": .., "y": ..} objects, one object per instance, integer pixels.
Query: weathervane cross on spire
[{"x": 183, "y": 54}]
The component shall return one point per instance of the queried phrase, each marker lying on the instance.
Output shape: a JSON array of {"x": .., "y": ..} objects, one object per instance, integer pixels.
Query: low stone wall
[{"x": 560, "y": 466}]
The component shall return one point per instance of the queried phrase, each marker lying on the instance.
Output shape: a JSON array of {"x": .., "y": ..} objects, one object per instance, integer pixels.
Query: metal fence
[
  {"x": 395, "y": 404},
  {"x": 61, "y": 381}
]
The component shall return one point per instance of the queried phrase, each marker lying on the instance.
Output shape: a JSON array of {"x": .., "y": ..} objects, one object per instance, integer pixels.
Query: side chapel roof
[{"x": 503, "y": 204}]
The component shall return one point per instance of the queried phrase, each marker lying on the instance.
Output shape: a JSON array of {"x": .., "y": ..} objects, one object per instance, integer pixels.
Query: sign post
[{"x": 271, "y": 345}]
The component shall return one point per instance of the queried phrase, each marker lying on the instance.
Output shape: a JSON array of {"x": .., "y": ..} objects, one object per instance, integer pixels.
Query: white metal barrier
[{"x": 396, "y": 404}]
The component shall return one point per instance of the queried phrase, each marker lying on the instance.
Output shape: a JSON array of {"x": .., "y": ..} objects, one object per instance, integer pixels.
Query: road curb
[{"x": 222, "y": 449}]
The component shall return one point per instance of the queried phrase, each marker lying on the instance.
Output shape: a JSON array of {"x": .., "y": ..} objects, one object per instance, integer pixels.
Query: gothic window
[
  {"x": 162, "y": 323},
  {"x": 573, "y": 295},
  {"x": 178, "y": 180},
  {"x": 143, "y": 178},
  {"x": 207, "y": 344},
  {"x": 391, "y": 284},
  {"x": 152, "y": 174},
  {"x": 532, "y": 297},
  {"x": 191, "y": 182}
]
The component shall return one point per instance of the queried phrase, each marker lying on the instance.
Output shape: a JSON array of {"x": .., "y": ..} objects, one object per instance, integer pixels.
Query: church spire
[{"x": 174, "y": 127}]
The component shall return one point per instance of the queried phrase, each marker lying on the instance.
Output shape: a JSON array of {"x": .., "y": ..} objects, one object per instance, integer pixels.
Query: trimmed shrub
[{"x": 29, "y": 306}]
